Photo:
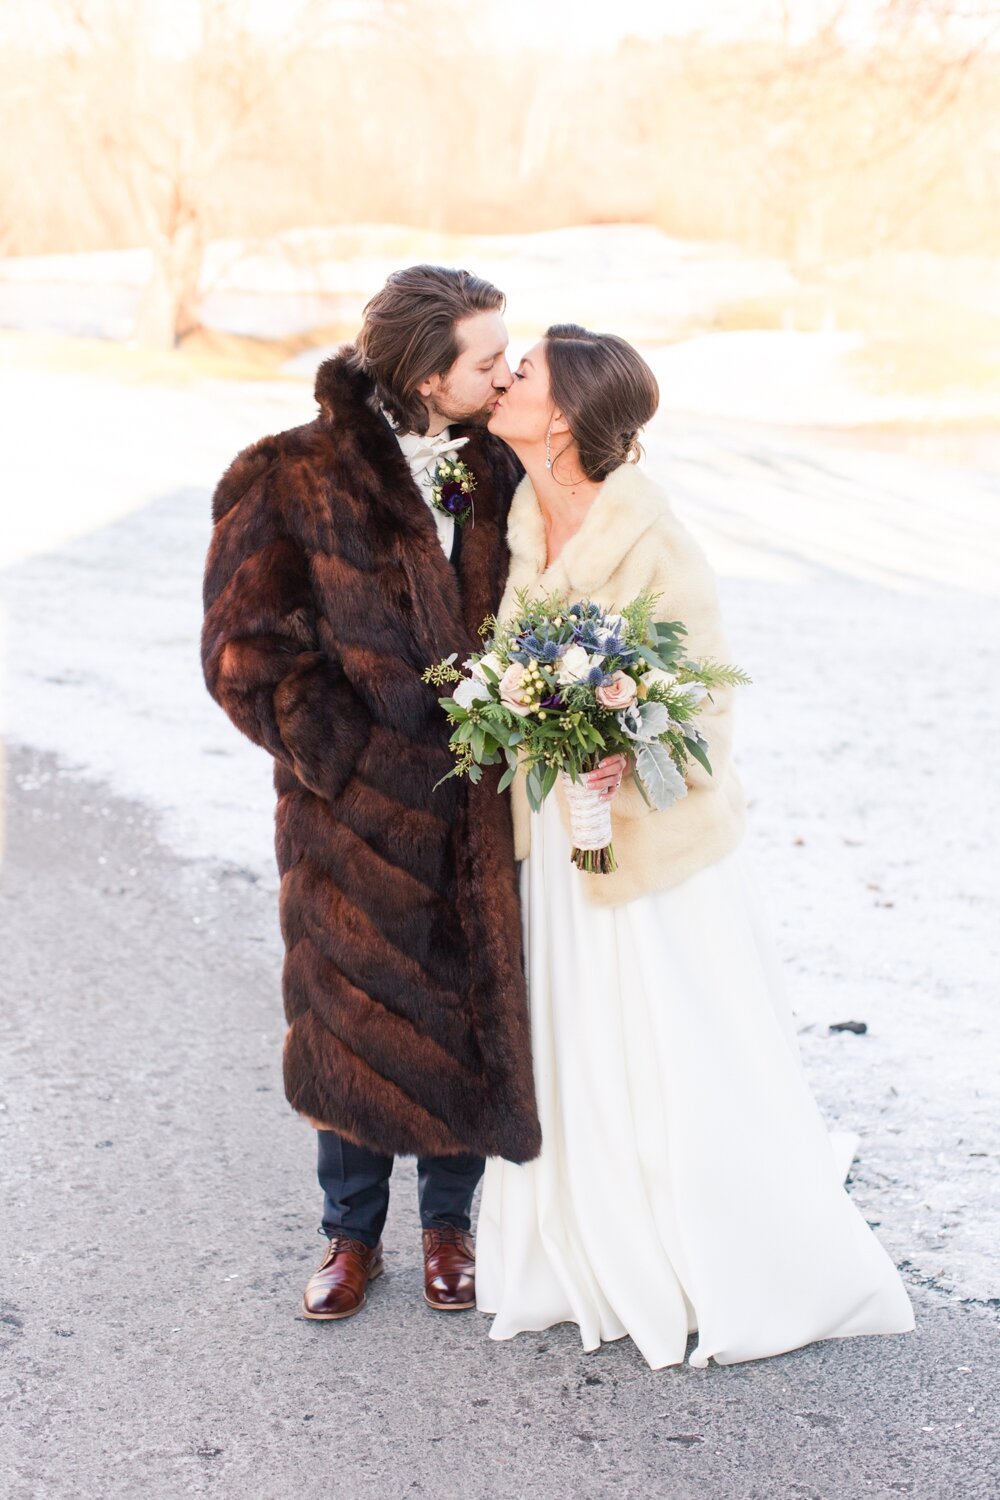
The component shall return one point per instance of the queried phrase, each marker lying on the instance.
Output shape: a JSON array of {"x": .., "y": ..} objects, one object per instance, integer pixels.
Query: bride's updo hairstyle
[{"x": 605, "y": 390}]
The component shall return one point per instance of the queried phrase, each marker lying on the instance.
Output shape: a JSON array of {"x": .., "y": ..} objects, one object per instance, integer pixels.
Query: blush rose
[
  {"x": 512, "y": 689},
  {"x": 618, "y": 693}
]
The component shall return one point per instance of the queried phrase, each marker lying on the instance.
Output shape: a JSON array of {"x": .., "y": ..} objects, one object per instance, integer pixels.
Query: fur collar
[
  {"x": 627, "y": 504},
  {"x": 363, "y": 436},
  {"x": 344, "y": 394},
  {"x": 341, "y": 383},
  {"x": 393, "y": 522}
]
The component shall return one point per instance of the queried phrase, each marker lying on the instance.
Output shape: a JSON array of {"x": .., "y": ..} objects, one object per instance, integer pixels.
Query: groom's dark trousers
[{"x": 355, "y": 1183}]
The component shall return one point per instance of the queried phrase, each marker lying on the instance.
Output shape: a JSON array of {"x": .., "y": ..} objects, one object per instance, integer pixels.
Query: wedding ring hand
[{"x": 607, "y": 777}]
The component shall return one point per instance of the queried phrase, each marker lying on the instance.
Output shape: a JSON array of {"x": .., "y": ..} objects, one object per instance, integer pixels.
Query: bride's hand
[{"x": 607, "y": 778}]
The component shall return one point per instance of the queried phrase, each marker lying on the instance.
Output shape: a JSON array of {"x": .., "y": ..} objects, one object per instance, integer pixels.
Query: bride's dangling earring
[{"x": 548, "y": 449}]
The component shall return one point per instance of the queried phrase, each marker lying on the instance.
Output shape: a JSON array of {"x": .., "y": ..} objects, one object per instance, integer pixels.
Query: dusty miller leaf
[{"x": 658, "y": 774}]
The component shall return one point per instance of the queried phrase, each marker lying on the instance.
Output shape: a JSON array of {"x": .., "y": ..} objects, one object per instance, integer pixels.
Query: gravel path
[{"x": 159, "y": 1222}]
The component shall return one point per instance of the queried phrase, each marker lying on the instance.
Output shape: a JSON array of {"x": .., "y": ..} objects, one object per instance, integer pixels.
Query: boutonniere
[{"x": 451, "y": 489}]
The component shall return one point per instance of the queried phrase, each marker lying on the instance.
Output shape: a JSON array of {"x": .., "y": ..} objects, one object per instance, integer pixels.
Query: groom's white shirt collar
[{"x": 421, "y": 453}]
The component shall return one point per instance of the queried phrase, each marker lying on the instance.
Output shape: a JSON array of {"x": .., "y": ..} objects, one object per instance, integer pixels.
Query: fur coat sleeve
[{"x": 263, "y": 658}]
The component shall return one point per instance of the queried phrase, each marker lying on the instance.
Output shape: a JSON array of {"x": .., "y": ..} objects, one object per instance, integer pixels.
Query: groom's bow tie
[{"x": 423, "y": 452}]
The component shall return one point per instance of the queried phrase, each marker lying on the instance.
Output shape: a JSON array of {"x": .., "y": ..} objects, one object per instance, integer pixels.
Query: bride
[{"x": 686, "y": 1182}]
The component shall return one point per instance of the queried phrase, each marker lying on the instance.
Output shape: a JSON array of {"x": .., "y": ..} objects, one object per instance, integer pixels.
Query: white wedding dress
[{"x": 686, "y": 1180}]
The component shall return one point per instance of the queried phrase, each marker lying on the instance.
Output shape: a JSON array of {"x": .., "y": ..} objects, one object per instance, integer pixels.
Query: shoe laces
[
  {"x": 448, "y": 1234},
  {"x": 342, "y": 1243}
]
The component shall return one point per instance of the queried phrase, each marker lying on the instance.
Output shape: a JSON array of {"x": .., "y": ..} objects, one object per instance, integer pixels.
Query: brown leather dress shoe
[
  {"x": 337, "y": 1288},
  {"x": 449, "y": 1269}
]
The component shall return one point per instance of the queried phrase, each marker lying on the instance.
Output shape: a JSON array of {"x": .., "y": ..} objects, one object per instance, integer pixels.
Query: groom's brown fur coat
[{"x": 327, "y": 593}]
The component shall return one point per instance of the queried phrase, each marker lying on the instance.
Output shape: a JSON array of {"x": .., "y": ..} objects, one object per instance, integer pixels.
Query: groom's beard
[{"x": 477, "y": 417}]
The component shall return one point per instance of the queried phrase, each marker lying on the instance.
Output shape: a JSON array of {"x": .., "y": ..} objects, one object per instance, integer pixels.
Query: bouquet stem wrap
[{"x": 590, "y": 823}]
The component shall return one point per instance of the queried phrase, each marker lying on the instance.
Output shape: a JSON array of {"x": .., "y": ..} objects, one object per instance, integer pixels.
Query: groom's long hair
[{"x": 408, "y": 333}]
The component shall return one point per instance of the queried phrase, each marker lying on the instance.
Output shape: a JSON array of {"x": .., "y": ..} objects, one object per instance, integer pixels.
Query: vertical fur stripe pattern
[{"x": 327, "y": 593}]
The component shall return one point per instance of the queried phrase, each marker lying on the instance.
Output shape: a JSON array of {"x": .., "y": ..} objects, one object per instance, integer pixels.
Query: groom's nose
[{"x": 502, "y": 377}]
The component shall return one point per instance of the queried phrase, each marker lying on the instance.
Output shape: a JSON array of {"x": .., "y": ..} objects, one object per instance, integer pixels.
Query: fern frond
[{"x": 718, "y": 674}]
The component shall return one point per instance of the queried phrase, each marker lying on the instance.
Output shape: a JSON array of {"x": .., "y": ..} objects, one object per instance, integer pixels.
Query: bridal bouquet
[{"x": 560, "y": 686}]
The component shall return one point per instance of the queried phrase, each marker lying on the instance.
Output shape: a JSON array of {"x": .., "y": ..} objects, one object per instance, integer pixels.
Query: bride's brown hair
[{"x": 605, "y": 390}]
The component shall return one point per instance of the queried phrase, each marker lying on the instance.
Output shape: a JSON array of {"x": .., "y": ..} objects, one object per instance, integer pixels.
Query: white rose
[
  {"x": 575, "y": 664},
  {"x": 469, "y": 691},
  {"x": 490, "y": 660}
]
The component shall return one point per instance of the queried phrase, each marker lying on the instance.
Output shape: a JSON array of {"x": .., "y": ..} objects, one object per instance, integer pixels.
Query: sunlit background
[
  {"x": 793, "y": 208},
  {"x": 231, "y": 180}
]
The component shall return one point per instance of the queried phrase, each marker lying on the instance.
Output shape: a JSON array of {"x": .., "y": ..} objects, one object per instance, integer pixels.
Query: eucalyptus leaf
[
  {"x": 669, "y": 631},
  {"x": 697, "y": 750},
  {"x": 654, "y": 660},
  {"x": 500, "y": 733}
]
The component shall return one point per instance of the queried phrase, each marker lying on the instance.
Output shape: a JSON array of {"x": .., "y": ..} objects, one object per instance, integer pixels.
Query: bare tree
[
  {"x": 813, "y": 145},
  {"x": 172, "y": 101},
  {"x": 848, "y": 111}
]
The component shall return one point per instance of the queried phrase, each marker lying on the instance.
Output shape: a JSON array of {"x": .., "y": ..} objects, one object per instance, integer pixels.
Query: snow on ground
[
  {"x": 807, "y": 379},
  {"x": 859, "y": 591},
  {"x": 83, "y": 452}
]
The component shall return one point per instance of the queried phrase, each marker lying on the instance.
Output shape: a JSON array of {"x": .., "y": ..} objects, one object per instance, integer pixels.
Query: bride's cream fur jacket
[{"x": 630, "y": 540}]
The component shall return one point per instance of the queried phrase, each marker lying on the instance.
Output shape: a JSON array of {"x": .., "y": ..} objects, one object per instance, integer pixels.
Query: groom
[{"x": 332, "y": 582}]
